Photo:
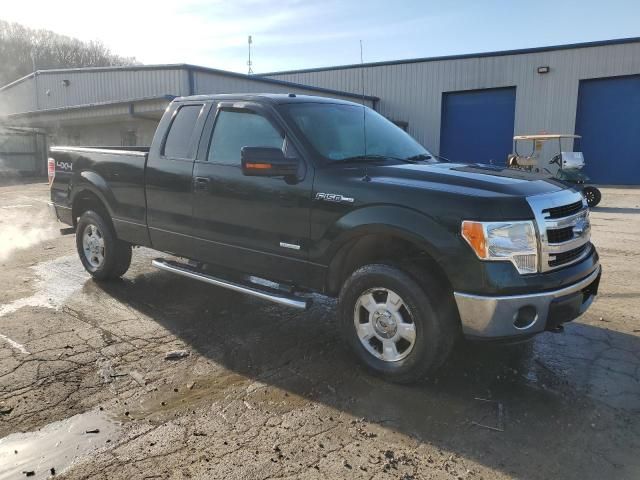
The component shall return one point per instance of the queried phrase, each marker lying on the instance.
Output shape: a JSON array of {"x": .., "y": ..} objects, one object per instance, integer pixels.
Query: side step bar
[{"x": 266, "y": 294}]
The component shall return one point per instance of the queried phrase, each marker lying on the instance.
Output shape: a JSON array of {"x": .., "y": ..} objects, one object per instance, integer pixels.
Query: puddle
[
  {"x": 56, "y": 281},
  {"x": 57, "y": 445},
  {"x": 191, "y": 392}
]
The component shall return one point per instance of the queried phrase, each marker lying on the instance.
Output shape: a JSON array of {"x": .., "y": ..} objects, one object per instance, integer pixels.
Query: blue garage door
[
  {"x": 477, "y": 125},
  {"x": 608, "y": 118}
]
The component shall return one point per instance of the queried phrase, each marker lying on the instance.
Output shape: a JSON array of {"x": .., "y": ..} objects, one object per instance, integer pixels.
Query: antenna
[
  {"x": 362, "y": 72},
  {"x": 364, "y": 112},
  {"x": 249, "y": 63}
]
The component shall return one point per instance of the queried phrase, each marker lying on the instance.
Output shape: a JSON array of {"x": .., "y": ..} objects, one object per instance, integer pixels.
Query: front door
[{"x": 259, "y": 225}]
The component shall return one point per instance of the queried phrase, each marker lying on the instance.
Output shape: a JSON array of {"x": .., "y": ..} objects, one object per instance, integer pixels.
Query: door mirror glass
[{"x": 267, "y": 162}]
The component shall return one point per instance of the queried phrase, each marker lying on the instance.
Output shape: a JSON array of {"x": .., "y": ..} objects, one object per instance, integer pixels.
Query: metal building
[
  {"x": 468, "y": 107},
  {"x": 122, "y": 105}
]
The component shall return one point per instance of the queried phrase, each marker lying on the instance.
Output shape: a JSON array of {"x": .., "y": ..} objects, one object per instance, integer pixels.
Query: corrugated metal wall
[
  {"x": 413, "y": 91},
  {"x": 56, "y": 89},
  {"x": 212, "y": 83},
  {"x": 23, "y": 152},
  {"x": 108, "y": 86},
  {"x": 113, "y": 123}
]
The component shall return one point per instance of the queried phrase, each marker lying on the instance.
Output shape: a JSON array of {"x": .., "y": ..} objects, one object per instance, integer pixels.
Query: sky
[{"x": 293, "y": 34}]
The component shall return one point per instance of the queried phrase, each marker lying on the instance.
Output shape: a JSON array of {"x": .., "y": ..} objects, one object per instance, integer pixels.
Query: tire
[
  {"x": 592, "y": 195},
  {"x": 425, "y": 304},
  {"x": 101, "y": 253}
]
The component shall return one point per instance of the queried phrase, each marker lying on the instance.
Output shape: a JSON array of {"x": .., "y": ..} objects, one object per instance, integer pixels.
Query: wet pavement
[
  {"x": 60, "y": 443},
  {"x": 268, "y": 392}
]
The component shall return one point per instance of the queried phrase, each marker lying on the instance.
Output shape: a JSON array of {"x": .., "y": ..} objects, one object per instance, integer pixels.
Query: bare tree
[{"x": 24, "y": 49}]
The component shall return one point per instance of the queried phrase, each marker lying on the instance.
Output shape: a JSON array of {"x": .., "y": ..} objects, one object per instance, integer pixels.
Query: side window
[
  {"x": 234, "y": 130},
  {"x": 178, "y": 142}
]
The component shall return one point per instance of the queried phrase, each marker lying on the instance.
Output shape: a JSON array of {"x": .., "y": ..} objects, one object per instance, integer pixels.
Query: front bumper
[{"x": 495, "y": 317}]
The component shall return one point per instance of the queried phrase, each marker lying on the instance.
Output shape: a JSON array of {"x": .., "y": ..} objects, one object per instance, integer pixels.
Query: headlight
[{"x": 511, "y": 241}]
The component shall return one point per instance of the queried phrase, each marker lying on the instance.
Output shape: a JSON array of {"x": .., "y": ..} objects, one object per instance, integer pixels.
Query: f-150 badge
[{"x": 333, "y": 197}]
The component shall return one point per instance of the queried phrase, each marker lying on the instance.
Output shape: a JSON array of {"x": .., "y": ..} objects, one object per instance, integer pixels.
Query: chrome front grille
[
  {"x": 560, "y": 235},
  {"x": 568, "y": 257},
  {"x": 562, "y": 222},
  {"x": 564, "y": 211}
]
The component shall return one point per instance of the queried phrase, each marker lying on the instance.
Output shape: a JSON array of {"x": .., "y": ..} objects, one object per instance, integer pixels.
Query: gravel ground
[{"x": 268, "y": 392}]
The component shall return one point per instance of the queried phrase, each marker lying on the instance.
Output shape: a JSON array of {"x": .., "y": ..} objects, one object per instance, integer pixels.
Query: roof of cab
[{"x": 273, "y": 98}]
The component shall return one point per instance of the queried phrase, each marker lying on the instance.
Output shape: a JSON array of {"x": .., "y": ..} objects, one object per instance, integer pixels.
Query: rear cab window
[{"x": 179, "y": 141}]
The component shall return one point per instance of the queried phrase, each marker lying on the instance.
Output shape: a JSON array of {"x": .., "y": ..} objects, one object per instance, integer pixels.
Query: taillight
[{"x": 51, "y": 169}]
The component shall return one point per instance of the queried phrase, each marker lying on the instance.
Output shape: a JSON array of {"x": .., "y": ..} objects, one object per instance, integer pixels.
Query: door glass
[
  {"x": 234, "y": 130},
  {"x": 178, "y": 143}
]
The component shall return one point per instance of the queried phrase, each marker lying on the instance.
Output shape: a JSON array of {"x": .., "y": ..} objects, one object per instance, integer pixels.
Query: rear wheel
[
  {"x": 592, "y": 195},
  {"x": 400, "y": 326},
  {"x": 102, "y": 254}
]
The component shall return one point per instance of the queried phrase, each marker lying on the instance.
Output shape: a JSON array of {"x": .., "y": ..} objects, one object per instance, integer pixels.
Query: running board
[{"x": 272, "y": 296}]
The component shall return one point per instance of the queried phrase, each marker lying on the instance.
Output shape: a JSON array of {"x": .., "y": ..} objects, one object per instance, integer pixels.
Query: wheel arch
[
  {"x": 91, "y": 191},
  {"x": 379, "y": 244},
  {"x": 85, "y": 199}
]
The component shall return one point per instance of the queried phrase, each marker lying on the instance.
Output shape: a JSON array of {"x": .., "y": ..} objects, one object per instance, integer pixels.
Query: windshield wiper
[
  {"x": 420, "y": 156},
  {"x": 374, "y": 158}
]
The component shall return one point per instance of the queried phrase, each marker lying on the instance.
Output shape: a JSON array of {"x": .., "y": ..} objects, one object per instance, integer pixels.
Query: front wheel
[
  {"x": 101, "y": 253},
  {"x": 592, "y": 195},
  {"x": 400, "y": 326}
]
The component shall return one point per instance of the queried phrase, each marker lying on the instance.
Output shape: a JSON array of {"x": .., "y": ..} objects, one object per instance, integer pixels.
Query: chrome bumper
[{"x": 519, "y": 315}]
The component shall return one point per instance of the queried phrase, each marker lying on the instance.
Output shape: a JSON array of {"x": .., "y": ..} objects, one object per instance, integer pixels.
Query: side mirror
[{"x": 267, "y": 162}]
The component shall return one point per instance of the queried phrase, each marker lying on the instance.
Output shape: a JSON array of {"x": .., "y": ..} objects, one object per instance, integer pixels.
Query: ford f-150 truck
[{"x": 278, "y": 196}]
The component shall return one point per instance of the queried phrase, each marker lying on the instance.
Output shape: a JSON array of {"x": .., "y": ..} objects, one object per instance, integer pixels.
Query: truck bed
[{"x": 120, "y": 170}]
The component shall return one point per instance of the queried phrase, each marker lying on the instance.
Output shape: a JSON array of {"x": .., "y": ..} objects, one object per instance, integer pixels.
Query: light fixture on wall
[
  {"x": 543, "y": 70},
  {"x": 66, "y": 83}
]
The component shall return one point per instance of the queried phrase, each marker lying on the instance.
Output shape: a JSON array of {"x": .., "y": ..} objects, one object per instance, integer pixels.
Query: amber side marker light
[
  {"x": 473, "y": 233},
  {"x": 258, "y": 166}
]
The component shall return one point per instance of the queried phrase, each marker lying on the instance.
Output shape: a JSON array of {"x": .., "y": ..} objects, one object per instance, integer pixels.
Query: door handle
[{"x": 200, "y": 183}]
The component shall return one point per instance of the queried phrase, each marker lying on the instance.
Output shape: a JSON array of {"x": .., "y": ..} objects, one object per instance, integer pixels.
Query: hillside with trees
[{"x": 23, "y": 48}]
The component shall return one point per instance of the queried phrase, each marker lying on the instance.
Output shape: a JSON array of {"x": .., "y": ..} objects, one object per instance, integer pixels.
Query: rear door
[
  {"x": 259, "y": 225},
  {"x": 169, "y": 178}
]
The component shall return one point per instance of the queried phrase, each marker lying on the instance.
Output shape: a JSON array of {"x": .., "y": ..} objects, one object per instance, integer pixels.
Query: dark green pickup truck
[{"x": 325, "y": 196}]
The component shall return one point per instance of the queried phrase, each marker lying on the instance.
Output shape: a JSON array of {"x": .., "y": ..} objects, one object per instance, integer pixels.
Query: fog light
[{"x": 525, "y": 317}]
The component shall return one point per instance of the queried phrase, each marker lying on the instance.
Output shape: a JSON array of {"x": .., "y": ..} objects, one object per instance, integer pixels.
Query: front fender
[{"x": 439, "y": 238}]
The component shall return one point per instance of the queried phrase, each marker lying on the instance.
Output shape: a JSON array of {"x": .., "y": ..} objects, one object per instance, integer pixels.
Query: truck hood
[{"x": 473, "y": 179}]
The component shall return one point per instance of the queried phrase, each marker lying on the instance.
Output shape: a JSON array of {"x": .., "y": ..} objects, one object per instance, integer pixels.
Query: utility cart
[{"x": 570, "y": 164}]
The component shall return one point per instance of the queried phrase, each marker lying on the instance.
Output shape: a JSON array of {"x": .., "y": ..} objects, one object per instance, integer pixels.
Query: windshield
[{"x": 336, "y": 132}]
